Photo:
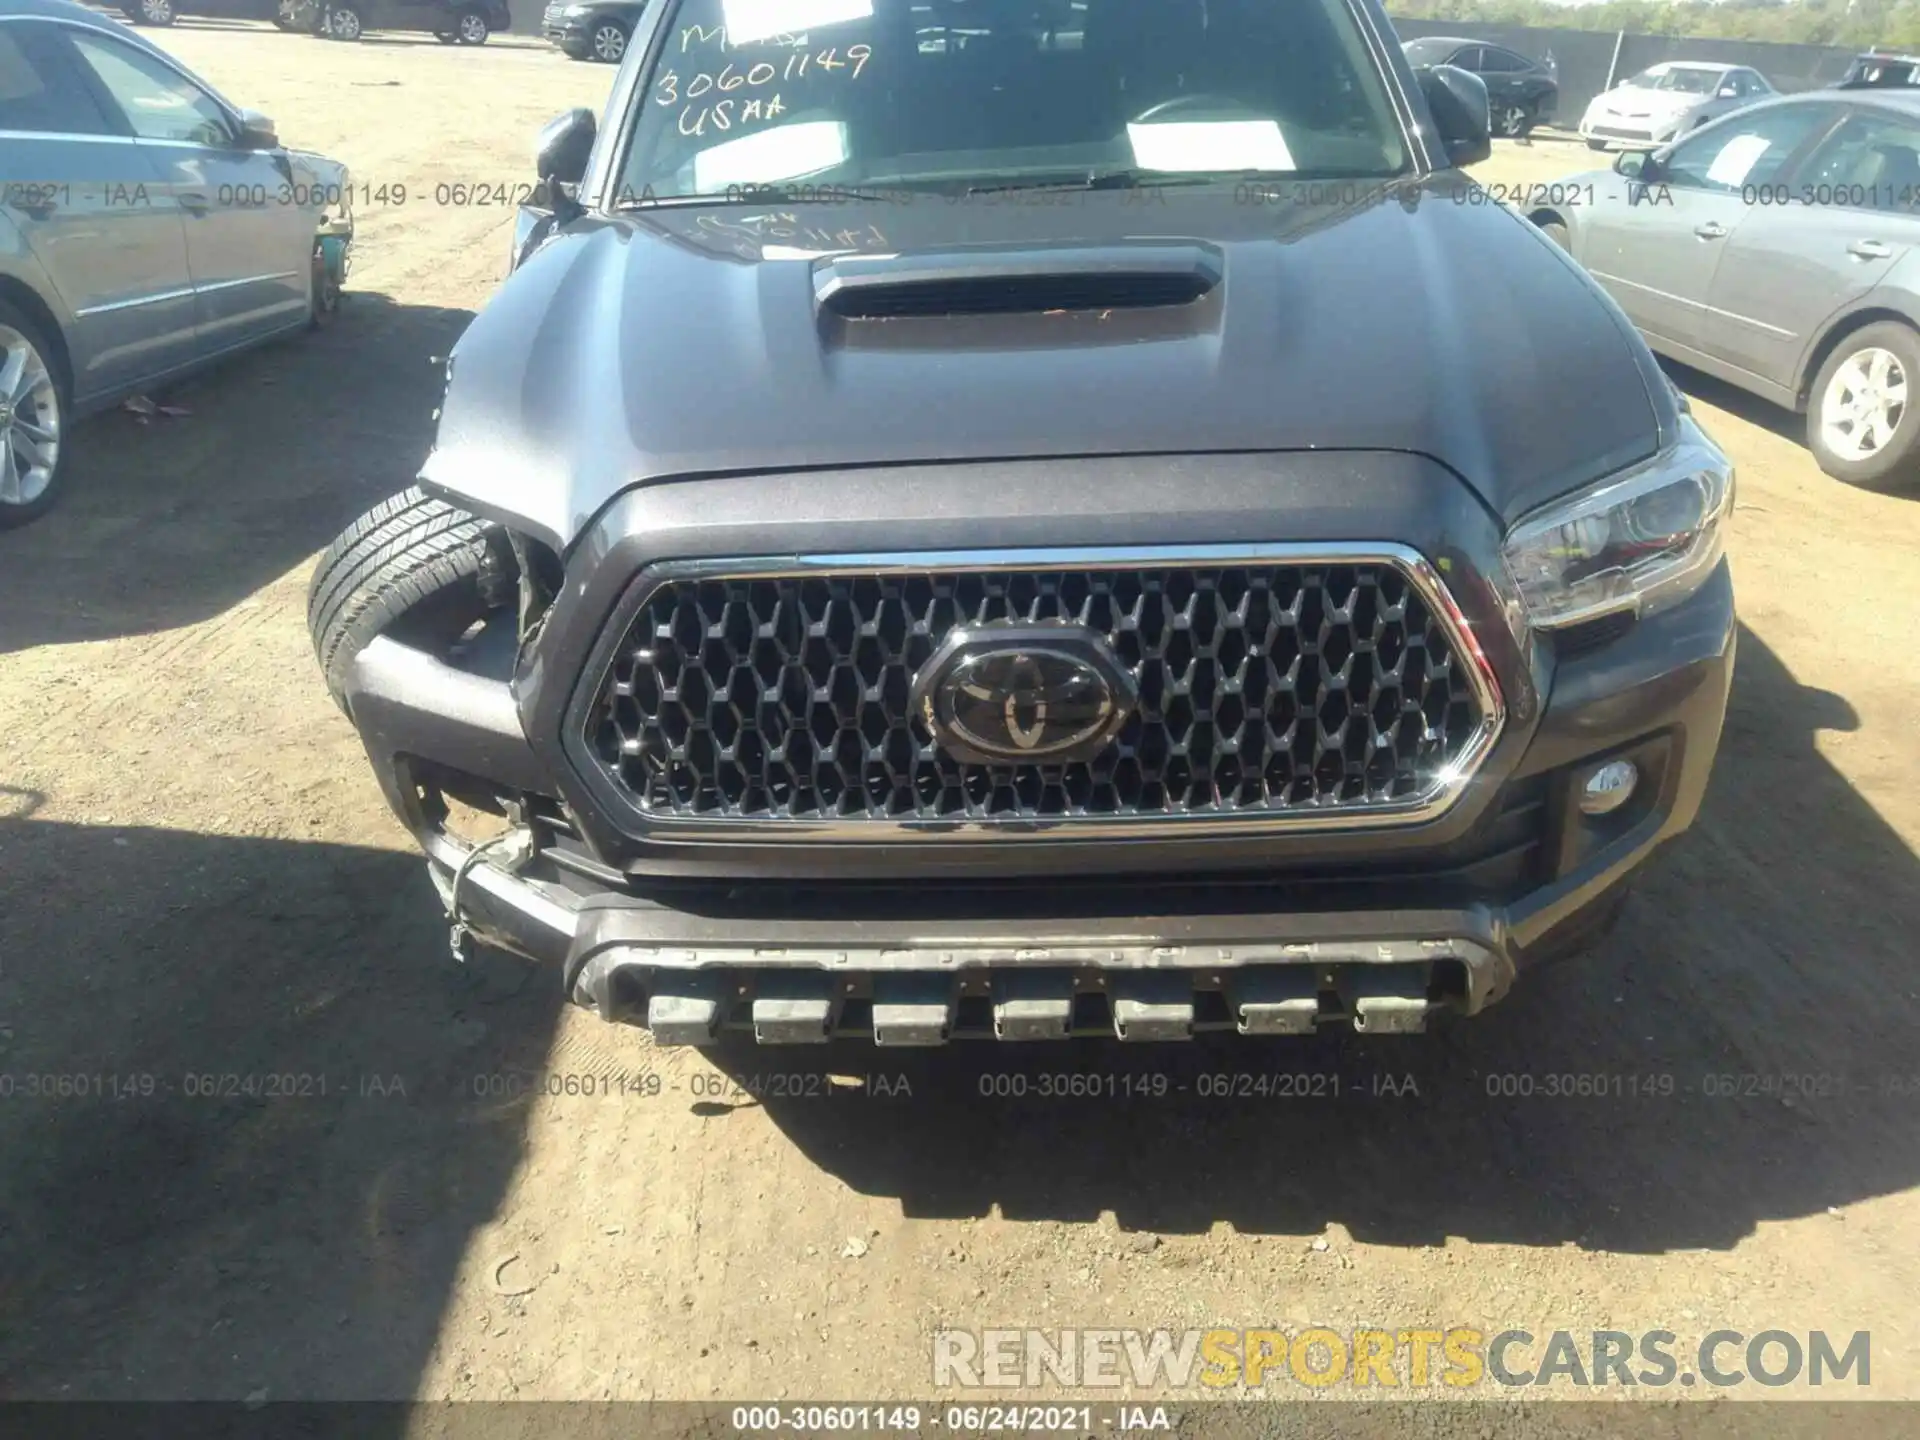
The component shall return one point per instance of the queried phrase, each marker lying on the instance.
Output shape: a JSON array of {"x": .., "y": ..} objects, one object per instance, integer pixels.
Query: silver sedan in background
[
  {"x": 1778, "y": 249},
  {"x": 1667, "y": 100},
  {"x": 147, "y": 228}
]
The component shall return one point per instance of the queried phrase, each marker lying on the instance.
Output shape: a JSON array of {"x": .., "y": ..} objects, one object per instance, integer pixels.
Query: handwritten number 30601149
[{"x": 670, "y": 90}]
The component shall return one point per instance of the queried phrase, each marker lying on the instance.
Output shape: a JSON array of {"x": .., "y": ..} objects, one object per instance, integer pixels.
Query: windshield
[
  {"x": 957, "y": 94},
  {"x": 1429, "y": 51},
  {"x": 1680, "y": 77}
]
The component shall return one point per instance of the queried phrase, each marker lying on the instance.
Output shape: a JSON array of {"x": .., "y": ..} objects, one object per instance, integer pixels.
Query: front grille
[{"x": 1297, "y": 688}]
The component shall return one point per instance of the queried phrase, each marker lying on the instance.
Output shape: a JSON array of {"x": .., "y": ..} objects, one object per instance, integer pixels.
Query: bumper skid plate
[{"x": 1384, "y": 988}]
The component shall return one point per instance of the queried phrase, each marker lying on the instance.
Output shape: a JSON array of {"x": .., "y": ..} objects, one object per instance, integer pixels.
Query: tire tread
[{"x": 404, "y": 553}]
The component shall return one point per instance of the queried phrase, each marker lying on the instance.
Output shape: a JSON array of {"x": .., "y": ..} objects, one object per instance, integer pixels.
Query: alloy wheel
[
  {"x": 29, "y": 421},
  {"x": 345, "y": 25},
  {"x": 157, "y": 12},
  {"x": 473, "y": 29},
  {"x": 1864, "y": 404},
  {"x": 609, "y": 44}
]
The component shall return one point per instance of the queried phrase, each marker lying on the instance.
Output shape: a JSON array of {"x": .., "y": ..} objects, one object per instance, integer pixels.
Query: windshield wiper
[
  {"x": 1108, "y": 180},
  {"x": 1136, "y": 179},
  {"x": 825, "y": 193}
]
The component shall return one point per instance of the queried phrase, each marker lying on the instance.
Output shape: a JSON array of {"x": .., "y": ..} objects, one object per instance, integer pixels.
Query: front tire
[
  {"x": 154, "y": 12},
  {"x": 1861, "y": 425},
  {"x": 1596, "y": 144},
  {"x": 408, "y": 569},
  {"x": 472, "y": 28},
  {"x": 344, "y": 22},
  {"x": 33, "y": 403}
]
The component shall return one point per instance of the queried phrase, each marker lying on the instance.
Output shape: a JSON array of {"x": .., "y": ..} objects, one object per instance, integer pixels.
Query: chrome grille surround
[{"x": 655, "y": 731}]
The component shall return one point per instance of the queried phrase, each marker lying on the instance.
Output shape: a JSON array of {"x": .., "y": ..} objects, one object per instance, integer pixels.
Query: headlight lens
[{"x": 1639, "y": 542}]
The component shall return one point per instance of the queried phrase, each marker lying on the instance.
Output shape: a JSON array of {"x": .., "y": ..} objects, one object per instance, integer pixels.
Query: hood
[
  {"x": 1630, "y": 100},
  {"x": 685, "y": 341}
]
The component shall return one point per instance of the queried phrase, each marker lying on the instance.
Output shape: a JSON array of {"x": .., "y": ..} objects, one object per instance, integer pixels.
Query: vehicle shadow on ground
[
  {"x": 1763, "y": 414},
  {"x": 1775, "y": 939},
  {"x": 183, "y": 1213},
  {"x": 1749, "y": 407},
  {"x": 169, "y": 522}
]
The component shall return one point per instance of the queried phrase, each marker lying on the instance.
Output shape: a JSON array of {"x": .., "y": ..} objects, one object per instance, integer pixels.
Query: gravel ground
[{"x": 198, "y": 879}]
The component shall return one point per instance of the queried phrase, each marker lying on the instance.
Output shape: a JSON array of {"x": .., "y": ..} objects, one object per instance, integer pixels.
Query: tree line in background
[{"x": 1850, "y": 24}]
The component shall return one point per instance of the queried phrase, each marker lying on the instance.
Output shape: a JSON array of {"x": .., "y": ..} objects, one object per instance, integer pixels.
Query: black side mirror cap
[
  {"x": 560, "y": 155},
  {"x": 1457, "y": 100},
  {"x": 1636, "y": 165}
]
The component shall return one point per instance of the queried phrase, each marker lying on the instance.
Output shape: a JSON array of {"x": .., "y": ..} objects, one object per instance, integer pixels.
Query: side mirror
[
  {"x": 1635, "y": 165},
  {"x": 257, "y": 132},
  {"x": 560, "y": 154},
  {"x": 560, "y": 159},
  {"x": 1726, "y": 92},
  {"x": 1458, "y": 101}
]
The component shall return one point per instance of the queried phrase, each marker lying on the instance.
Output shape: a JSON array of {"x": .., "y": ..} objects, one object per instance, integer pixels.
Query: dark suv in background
[
  {"x": 463, "y": 22},
  {"x": 592, "y": 29},
  {"x": 287, "y": 14},
  {"x": 1881, "y": 70},
  {"x": 975, "y": 522}
]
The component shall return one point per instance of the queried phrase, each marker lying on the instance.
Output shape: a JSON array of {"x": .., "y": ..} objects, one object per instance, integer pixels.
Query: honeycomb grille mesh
[{"x": 1263, "y": 688}]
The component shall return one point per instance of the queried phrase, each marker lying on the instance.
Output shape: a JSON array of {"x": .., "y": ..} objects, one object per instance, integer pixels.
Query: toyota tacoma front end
[{"x": 1038, "y": 528}]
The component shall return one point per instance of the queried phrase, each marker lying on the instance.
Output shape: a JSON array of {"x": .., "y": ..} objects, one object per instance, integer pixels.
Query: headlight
[{"x": 1639, "y": 542}]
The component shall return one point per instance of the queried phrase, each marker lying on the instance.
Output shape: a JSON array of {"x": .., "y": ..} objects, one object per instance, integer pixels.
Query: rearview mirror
[
  {"x": 257, "y": 132},
  {"x": 1457, "y": 100},
  {"x": 560, "y": 154}
]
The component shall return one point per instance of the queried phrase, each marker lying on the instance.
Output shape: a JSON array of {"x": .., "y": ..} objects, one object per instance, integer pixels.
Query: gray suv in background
[
  {"x": 147, "y": 227},
  {"x": 963, "y": 522}
]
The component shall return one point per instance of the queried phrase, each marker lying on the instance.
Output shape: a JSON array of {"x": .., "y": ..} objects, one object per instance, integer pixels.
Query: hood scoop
[{"x": 1024, "y": 281}]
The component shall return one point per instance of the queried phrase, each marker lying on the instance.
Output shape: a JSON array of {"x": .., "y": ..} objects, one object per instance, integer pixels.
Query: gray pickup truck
[{"x": 996, "y": 522}]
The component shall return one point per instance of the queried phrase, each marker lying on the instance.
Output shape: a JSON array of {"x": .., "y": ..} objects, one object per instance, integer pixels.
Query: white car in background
[{"x": 1669, "y": 99}]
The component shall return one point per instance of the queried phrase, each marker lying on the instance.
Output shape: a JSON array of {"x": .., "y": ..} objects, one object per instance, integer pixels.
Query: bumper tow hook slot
[{"x": 516, "y": 848}]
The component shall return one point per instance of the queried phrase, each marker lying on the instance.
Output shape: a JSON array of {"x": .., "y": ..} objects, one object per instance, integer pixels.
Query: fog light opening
[{"x": 1609, "y": 787}]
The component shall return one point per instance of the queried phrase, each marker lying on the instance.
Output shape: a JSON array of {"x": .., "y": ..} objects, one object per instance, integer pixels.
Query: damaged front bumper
[{"x": 1380, "y": 944}]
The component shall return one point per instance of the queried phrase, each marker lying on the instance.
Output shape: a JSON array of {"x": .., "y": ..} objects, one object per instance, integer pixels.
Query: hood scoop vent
[{"x": 1026, "y": 281}]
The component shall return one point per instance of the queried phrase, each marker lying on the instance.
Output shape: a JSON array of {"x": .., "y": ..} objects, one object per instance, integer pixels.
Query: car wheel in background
[
  {"x": 1555, "y": 229},
  {"x": 609, "y": 41},
  {"x": 1596, "y": 144},
  {"x": 445, "y": 37},
  {"x": 344, "y": 22},
  {"x": 33, "y": 393},
  {"x": 472, "y": 28},
  {"x": 1514, "y": 120},
  {"x": 1861, "y": 424},
  {"x": 154, "y": 12}
]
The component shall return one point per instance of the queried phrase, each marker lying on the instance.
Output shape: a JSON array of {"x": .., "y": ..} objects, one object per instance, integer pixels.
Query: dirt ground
[{"x": 198, "y": 878}]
